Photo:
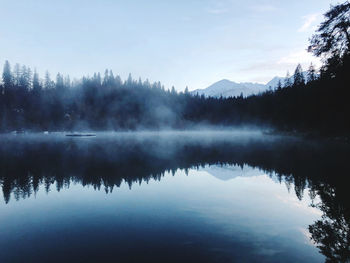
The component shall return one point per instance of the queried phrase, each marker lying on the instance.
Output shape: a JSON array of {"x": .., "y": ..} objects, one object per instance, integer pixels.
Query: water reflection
[{"x": 313, "y": 170}]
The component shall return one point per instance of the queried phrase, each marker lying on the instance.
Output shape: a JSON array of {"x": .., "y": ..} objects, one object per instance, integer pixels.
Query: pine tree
[
  {"x": 48, "y": 82},
  {"x": 298, "y": 76},
  {"x": 105, "y": 78},
  {"x": 129, "y": 81},
  {"x": 59, "y": 82},
  {"x": 311, "y": 73},
  {"x": 287, "y": 81},
  {"x": 118, "y": 81},
  {"x": 7, "y": 77},
  {"x": 139, "y": 83},
  {"x": 111, "y": 79},
  {"x": 67, "y": 82},
  {"x": 186, "y": 90},
  {"x": 36, "y": 83},
  {"x": 25, "y": 79},
  {"x": 17, "y": 74},
  {"x": 333, "y": 38}
]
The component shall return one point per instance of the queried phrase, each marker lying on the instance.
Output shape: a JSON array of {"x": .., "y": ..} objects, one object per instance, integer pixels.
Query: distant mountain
[
  {"x": 227, "y": 88},
  {"x": 274, "y": 82},
  {"x": 228, "y": 172}
]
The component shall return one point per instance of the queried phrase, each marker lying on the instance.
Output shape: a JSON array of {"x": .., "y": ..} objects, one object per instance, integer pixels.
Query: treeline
[
  {"x": 320, "y": 103},
  {"x": 28, "y": 103},
  {"x": 108, "y": 103}
]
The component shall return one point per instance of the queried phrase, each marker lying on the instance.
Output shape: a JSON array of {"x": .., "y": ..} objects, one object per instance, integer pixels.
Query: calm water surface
[{"x": 171, "y": 197}]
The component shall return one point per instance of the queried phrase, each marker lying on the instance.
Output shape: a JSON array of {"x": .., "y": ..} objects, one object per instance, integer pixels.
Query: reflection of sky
[{"x": 246, "y": 218}]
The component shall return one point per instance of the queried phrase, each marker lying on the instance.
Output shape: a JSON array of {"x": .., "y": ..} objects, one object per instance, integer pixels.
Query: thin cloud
[
  {"x": 264, "y": 71},
  {"x": 299, "y": 56},
  {"x": 309, "y": 23}
]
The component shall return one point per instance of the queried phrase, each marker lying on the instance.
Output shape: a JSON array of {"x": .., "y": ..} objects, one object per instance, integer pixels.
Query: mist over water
[{"x": 170, "y": 196}]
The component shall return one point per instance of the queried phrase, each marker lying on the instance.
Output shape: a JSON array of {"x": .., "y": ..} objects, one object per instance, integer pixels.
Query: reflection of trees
[
  {"x": 24, "y": 165},
  {"x": 106, "y": 164},
  {"x": 332, "y": 232}
]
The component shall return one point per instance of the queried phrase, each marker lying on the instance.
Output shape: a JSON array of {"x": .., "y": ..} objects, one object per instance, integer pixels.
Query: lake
[{"x": 200, "y": 196}]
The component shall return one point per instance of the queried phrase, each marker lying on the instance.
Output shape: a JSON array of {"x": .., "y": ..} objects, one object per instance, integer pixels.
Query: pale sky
[{"x": 183, "y": 43}]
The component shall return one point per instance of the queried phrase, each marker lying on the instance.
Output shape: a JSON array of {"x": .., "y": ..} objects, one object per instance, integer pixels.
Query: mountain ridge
[{"x": 227, "y": 88}]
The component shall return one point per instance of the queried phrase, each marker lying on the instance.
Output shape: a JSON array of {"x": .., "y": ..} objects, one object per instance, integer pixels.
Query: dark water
[{"x": 173, "y": 197}]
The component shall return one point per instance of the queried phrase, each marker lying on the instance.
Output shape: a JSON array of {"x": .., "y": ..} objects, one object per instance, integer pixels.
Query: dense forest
[{"x": 318, "y": 103}]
